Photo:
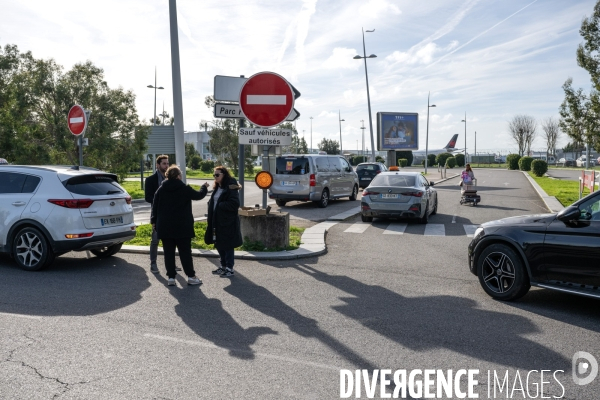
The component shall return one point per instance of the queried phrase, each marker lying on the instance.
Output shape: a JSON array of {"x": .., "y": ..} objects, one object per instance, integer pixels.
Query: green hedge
[
  {"x": 539, "y": 167},
  {"x": 402, "y": 162},
  {"x": 525, "y": 163},
  {"x": 513, "y": 161},
  {"x": 460, "y": 160},
  {"x": 441, "y": 158},
  {"x": 450, "y": 162}
]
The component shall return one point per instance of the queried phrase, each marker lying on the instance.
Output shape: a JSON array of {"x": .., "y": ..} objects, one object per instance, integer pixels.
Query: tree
[
  {"x": 588, "y": 57},
  {"x": 574, "y": 113},
  {"x": 550, "y": 135},
  {"x": 329, "y": 146},
  {"x": 35, "y": 97},
  {"x": 522, "y": 129}
]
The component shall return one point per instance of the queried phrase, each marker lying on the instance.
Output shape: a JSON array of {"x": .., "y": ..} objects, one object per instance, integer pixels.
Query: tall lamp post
[
  {"x": 364, "y": 57},
  {"x": 154, "y": 87},
  {"x": 427, "y": 134},
  {"x": 465, "y": 121},
  {"x": 475, "y": 144},
  {"x": 310, "y": 150},
  {"x": 340, "y": 118},
  {"x": 363, "y": 137}
]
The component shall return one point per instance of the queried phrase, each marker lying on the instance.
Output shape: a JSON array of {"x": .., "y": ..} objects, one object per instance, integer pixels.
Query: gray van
[{"x": 312, "y": 177}]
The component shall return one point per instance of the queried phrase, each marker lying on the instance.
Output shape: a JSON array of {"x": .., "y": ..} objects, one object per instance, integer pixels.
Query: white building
[{"x": 201, "y": 141}]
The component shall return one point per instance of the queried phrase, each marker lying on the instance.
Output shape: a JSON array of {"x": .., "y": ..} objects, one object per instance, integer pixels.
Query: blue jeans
[{"x": 227, "y": 257}]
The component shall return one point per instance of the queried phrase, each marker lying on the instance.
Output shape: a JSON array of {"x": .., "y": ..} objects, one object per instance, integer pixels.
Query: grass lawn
[
  {"x": 567, "y": 192},
  {"x": 144, "y": 235},
  {"x": 195, "y": 173},
  {"x": 136, "y": 192}
]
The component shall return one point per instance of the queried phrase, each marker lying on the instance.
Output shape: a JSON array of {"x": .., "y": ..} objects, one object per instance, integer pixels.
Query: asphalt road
[{"x": 110, "y": 329}]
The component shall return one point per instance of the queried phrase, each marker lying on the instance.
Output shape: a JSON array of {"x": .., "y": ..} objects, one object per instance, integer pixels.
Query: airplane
[{"x": 449, "y": 148}]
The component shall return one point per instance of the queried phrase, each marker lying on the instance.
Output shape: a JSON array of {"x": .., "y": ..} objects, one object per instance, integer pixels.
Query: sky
[{"x": 487, "y": 59}]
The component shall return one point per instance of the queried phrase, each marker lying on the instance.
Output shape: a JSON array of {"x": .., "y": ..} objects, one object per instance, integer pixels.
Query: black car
[
  {"x": 559, "y": 251},
  {"x": 367, "y": 171}
]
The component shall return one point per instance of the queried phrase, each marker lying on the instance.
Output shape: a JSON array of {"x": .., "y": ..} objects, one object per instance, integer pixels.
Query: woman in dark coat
[
  {"x": 223, "y": 221},
  {"x": 174, "y": 222}
]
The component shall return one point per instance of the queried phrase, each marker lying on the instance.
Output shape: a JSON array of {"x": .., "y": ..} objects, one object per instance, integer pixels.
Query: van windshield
[{"x": 292, "y": 166}]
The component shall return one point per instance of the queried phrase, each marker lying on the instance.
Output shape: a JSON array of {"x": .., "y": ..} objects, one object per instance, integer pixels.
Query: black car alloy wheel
[{"x": 501, "y": 273}]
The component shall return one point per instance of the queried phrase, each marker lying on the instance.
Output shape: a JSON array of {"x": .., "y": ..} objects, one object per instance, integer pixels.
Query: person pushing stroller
[{"x": 467, "y": 182}]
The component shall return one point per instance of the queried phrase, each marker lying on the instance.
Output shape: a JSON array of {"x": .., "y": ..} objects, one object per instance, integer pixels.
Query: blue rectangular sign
[{"x": 397, "y": 131}]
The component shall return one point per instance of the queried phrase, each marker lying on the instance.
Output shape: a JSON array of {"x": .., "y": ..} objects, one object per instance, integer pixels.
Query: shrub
[
  {"x": 207, "y": 166},
  {"x": 460, "y": 160},
  {"x": 195, "y": 162},
  {"x": 431, "y": 160},
  {"x": 403, "y": 162},
  {"x": 539, "y": 167},
  {"x": 450, "y": 162},
  {"x": 525, "y": 163},
  {"x": 379, "y": 159},
  {"x": 513, "y": 161},
  {"x": 441, "y": 158},
  {"x": 408, "y": 155}
]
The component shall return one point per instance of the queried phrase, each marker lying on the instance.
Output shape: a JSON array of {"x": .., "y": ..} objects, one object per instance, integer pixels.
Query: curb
[{"x": 551, "y": 202}]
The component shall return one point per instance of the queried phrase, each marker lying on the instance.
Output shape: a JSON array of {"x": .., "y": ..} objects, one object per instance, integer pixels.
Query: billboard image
[{"x": 397, "y": 131}]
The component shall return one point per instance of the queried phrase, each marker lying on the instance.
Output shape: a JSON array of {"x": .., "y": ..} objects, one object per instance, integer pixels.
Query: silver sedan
[{"x": 397, "y": 194}]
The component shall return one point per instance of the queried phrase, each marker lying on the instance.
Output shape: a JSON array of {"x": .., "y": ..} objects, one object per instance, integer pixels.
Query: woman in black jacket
[
  {"x": 223, "y": 221},
  {"x": 174, "y": 222}
]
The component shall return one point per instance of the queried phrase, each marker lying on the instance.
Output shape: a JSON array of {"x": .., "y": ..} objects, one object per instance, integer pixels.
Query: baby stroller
[{"x": 468, "y": 192}]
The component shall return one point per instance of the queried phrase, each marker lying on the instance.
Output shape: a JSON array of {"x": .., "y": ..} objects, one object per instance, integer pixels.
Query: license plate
[
  {"x": 366, "y": 179},
  {"x": 389, "y": 196},
  {"x": 288, "y": 183},
  {"x": 111, "y": 221}
]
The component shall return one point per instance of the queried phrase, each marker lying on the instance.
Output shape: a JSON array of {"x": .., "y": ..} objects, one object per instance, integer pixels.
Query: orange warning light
[{"x": 264, "y": 179}]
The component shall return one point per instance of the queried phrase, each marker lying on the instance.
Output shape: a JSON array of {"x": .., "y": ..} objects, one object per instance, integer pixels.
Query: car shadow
[
  {"x": 208, "y": 319},
  {"x": 441, "y": 322},
  {"x": 71, "y": 286}
]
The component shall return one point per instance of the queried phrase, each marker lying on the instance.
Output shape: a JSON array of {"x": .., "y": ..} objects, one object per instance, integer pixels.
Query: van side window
[
  {"x": 345, "y": 165},
  {"x": 334, "y": 164},
  {"x": 322, "y": 164},
  {"x": 291, "y": 166}
]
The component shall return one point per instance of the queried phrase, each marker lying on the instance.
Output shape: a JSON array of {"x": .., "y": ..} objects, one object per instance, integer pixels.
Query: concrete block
[{"x": 272, "y": 230}]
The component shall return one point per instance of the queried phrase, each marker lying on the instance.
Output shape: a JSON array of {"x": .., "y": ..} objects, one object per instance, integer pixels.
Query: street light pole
[
  {"x": 154, "y": 87},
  {"x": 427, "y": 134},
  {"x": 465, "y": 121},
  {"x": 475, "y": 143},
  {"x": 357, "y": 57},
  {"x": 363, "y": 137},
  {"x": 340, "y": 118},
  {"x": 310, "y": 150}
]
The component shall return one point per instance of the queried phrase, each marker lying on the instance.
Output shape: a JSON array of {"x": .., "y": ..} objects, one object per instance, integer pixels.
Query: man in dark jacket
[
  {"x": 223, "y": 221},
  {"x": 151, "y": 185},
  {"x": 173, "y": 221}
]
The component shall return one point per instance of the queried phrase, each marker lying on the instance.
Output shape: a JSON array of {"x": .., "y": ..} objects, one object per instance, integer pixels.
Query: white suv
[{"x": 46, "y": 211}]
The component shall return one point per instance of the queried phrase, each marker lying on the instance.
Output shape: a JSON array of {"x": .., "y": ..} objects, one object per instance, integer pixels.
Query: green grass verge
[
  {"x": 136, "y": 192},
  {"x": 567, "y": 192},
  {"x": 195, "y": 173},
  {"x": 144, "y": 236}
]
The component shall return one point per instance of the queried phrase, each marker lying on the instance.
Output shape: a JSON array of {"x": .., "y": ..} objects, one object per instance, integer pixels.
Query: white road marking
[
  {"x": 470, "y": 229},
  {"x": 264, "y": 355},
  {"x": 454, "y": 219},
  {"x": 358, "y": 227},
  {"x": 435, "y": 230},
  {"x": 21, "y": 316},
  {"x": 395, "y": 229},
  {"x": 266, "y": 99},
  {"x": 76, "y": 120}
]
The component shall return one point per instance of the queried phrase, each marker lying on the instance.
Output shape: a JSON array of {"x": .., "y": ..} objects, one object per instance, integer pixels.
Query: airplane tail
[{"x": 452, "y": 142}]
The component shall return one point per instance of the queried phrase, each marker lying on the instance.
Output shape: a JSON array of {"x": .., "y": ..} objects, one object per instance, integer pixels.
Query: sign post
[{"x": 77, "y": 120}]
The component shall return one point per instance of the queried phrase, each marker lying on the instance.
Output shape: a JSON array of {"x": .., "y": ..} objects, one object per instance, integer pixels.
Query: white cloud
[
  {"x": 375, "y": 8},
  {"x": 341, "y": 58}
]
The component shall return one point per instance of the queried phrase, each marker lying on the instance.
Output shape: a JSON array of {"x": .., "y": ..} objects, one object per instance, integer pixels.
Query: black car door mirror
[
  {"x": 569, "y": 214},
  {"x": 431, "y": 183}
]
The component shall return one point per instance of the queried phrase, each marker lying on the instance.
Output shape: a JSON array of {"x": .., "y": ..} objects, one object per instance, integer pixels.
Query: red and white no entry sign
[
  {"x": 77, "y": 120},
  {"x": 266, "y": 99}
]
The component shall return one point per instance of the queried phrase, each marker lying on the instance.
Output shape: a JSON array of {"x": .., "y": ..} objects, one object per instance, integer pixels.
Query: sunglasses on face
[{"x": 217, "y": 175}]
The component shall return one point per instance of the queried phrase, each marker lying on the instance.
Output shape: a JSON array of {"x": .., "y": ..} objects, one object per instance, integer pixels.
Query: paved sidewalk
[{"x": 313, "y": 241}]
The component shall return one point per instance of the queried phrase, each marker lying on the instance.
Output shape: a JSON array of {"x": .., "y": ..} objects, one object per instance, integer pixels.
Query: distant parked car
[
  {"x": 367, "y": 171},
  {"x": 3, "y": 161},
  {"x": 581, "y": 161},
  {"x": 566, "y": 162}
]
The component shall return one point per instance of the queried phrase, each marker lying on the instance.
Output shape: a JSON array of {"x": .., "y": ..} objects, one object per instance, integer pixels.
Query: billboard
[{"x": 397, "y": 131}]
